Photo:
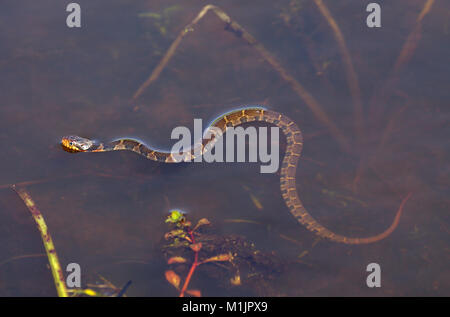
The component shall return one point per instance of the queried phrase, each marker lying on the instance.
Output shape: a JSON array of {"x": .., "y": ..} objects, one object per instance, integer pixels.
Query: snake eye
[{"x": 70, "y": 143}]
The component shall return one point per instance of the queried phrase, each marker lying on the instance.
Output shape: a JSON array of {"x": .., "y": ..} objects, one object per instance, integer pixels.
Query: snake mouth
[{"x": 68, "y": 149}]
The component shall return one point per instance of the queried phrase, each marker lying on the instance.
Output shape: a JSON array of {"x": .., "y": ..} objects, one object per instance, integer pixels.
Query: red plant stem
[{"x": 193, "y": 267}]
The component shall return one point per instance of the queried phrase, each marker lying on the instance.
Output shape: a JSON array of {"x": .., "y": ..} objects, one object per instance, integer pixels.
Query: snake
[{"x": 219, "y": 127}]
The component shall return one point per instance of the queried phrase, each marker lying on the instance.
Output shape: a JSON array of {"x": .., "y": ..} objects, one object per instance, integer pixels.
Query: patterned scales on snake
[{"x": 231, "y": 119}]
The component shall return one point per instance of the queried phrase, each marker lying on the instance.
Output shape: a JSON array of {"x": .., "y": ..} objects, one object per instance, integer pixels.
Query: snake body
[{"x": 232, "y": 119}]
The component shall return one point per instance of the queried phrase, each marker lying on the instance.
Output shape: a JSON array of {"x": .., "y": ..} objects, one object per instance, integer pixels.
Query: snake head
[{"x": 75, "y": 143}]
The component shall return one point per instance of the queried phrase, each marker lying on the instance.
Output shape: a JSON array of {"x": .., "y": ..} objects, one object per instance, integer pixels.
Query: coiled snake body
[{"x": 234, "y": 118}]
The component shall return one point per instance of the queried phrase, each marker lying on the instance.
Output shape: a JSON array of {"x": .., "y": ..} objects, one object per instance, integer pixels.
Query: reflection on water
[{"x": 106, "y": 211}]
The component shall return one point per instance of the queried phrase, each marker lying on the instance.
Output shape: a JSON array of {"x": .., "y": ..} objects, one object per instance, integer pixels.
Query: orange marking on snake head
[{"x": 75, "y": 143}]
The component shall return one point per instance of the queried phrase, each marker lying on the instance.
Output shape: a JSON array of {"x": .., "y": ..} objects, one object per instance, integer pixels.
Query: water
[{"x": 106, "y": 211}]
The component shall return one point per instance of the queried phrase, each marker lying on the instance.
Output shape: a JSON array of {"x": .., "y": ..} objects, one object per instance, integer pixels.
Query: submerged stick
[
  {"x": 124, "y": 289},
  {"x": 48, "y": 242},
  {"x": 239, "y": 31},
  {"x": 378, "y": 100},
  {"x": 19, "y": 257},
  {"x": 352, "y": 77},
  {"x": 413, "y": 39},
  {"x": 406, "y": 53}
]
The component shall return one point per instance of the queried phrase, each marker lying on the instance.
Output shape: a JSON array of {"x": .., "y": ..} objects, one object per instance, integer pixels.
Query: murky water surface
[{"x": 106, "y": 211}]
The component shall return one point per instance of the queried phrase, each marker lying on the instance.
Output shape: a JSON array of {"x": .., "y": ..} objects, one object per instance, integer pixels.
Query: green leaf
[{"x": 175, "y": 217}]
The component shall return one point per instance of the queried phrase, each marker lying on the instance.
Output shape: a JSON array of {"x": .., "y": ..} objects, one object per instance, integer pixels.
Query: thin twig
[
  {"x": 352, "y": 77},
  {"x": 19, "y": 257},
  {"x": 413, "y": 39},
  {"x": 406, "y": 53}
]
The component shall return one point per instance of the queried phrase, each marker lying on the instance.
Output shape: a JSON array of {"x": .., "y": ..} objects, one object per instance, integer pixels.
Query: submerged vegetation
[
  {"x": 194, "y": 250},
  {"x": 231, "y": 254},
  {"x": 161, "y": 20},
  {"x": 229, "y": 260}
]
